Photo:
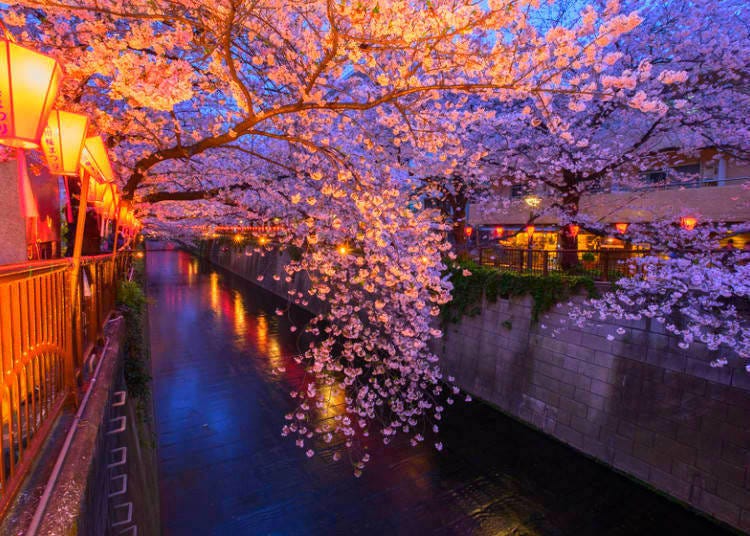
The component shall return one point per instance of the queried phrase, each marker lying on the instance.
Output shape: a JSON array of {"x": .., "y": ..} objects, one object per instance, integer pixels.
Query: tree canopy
[{"x": 331, "y": 114}]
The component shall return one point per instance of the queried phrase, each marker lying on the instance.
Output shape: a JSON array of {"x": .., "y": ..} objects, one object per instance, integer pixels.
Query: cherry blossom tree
[
  {"x": 679, "y": 84},
  {"x": 328, "y": 115}
]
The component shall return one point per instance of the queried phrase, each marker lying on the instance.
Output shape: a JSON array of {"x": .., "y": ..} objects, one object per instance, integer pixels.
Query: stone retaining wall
[{"x": 638, "y": 403}]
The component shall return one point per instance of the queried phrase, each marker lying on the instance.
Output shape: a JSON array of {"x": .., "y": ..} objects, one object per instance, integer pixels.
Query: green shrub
[
  {"x": 492, "y": 284},
  {"x": 130, "y": 294},
  {"x": 132, "y": 299}
]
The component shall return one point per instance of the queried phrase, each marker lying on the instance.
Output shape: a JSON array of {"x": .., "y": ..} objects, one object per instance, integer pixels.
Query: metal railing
[
  {"x": 601, "y": 265},
  {"x": 46, "y": 332}
]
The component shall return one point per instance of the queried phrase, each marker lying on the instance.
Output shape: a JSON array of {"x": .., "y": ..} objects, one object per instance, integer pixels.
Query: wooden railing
[
  {"x": 46, "y": 333},
  {"x": 602, "y": 265}
]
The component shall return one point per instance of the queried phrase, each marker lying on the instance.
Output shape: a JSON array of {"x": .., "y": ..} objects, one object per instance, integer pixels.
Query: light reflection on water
[{"x": 217, "y": 346}]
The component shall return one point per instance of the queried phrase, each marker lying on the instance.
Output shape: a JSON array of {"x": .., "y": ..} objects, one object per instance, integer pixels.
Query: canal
[{"x": 224, "y": 468}]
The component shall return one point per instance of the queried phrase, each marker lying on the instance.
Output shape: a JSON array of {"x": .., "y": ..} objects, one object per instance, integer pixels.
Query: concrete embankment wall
[
  {"x": 242, "y": 261},
  {"x": 638, "y": 403}
]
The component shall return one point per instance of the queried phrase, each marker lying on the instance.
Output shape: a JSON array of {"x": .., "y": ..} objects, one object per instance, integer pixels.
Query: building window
[
  {"x": 688, "y": 175},
  {"x": 518, "y": 190},
  {"x": 655, "y": 177}
]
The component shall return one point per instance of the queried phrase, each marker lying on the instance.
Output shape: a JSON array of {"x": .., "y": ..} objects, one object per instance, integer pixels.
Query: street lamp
[{"x": 532, "y": 201}]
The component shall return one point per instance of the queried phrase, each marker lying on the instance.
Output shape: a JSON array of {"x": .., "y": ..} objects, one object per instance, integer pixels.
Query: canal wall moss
[{"x": 637, "y": 403}]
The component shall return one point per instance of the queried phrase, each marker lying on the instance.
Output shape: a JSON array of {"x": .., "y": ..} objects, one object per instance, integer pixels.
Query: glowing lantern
[
  {"x": 96, "y": 193},
  {"x": 110, "y": 200},
  {"x": 498, "y": 231},
  {"x": 573, "y": 230},
  {"x": 62, "y": 141},
  {"x": 621, "y": 227},
  {"x": 112, "y": 209},
  {"x": 28, "y": 87},
  {"x": 343, "y": 250},
  {"x": 468, "y": 230},
  {"x": 530, "y": 229},
  {"x": 688, "y": 223},
  {"x": 96, "y": 160}
]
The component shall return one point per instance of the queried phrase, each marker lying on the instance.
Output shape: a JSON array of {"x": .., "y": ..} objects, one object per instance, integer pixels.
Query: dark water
[{"x": 225, "y": 469}]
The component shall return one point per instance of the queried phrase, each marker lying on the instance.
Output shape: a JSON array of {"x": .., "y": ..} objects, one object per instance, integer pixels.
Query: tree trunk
[
  {"x": 569, "y": 247},
  {"x": 569, "y": 240}
]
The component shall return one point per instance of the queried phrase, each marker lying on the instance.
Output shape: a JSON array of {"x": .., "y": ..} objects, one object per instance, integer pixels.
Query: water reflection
[
  {"x": 238, "y": 317},
  {"x": 225, "y": 469}
]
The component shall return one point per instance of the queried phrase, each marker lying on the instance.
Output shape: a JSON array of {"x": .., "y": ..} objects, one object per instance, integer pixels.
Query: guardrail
[
  {"x": 602, "y": 264},
  {"x": 46, "y": 333}
]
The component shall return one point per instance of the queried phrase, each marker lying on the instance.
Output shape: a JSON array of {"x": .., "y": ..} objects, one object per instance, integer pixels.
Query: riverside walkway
[{"x": 226, "y": 470}]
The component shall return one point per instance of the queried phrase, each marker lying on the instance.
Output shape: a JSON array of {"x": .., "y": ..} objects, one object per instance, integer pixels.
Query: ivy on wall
[{"x": 492, "y": 284}]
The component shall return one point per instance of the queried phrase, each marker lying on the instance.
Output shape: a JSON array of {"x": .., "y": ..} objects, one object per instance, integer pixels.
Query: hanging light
[
  {"x": 96, "y": 193},
  {"x": 499, "y": 231},
  {"x": 688, "y": 223},
  {"x": 621, "y": 227},
  {"x": 468, "y": 230},
  {"x": 110, "y": 201},
  {"x": 573, "y": 230},
  {"x": 96, "y": 160},
  {"x": 123, "y": 214},
  {"x": 63, "y": 140},
  {"x": 29, "y": 82},
  {"x": 530, "y": 229}
]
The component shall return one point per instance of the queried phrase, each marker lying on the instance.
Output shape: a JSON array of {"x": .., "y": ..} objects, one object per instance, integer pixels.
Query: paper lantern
[
  {"x": 530, "y": 229},
  {"x": 499, "y": 231},
  {"x": 29, "y": 82},
  {"x": 621, "y": 227},
  {"x": 468, "y": 230},
  {"x": 111, "y": 212},
  {"x": 95, "y": 160},
  {"x": 688, "y": 223},
  {"x": 573, "y": 230},
  {"x": 96, "y": 192},
  {"x": 63, "y": 140},
  {"x": 110, "y": 200}
]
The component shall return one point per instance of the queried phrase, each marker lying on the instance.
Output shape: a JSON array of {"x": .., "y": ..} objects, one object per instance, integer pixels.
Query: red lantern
[
  {"x": 468, "y": 230},
  {"x": 499, "y": 231},
  {"x": 621, "y": 227},
  {"x": 530, "y": 230},
  {"x": 62, "y": 142},
  {"x": 29, "y": 82},
  {"x": 573, "y": 230},
  {"x": 688, "y": 223}
]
